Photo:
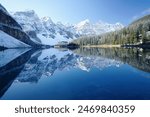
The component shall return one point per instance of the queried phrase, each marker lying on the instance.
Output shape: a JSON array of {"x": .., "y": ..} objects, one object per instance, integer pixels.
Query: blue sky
[{"x": 74, "y": 11}]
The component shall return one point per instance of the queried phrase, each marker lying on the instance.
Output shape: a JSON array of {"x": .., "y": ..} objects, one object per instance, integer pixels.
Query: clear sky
[{"x": 74, "y": 11}]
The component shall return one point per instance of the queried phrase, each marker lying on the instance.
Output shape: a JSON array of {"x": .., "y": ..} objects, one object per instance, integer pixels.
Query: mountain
[
  {"x": 87, "y": 28},
  {"x": 47, "y": 31},
  {"x": 52, "y": 33},
  {"x": 137, "y": 34},
  {"x": 143, "y": 27},
  {"x": 11, "y": 33},
  {"x": 25, "y": 29},
  {"x": 143, "y": 20}
]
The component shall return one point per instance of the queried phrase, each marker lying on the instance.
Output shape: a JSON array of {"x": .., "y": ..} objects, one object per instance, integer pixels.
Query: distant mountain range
[
  {"x": 87, "y": 28},
  {"x": 136, "y": 34},
  {"x": 25, "y": 29},
  {"x": 52, "y": 33}
]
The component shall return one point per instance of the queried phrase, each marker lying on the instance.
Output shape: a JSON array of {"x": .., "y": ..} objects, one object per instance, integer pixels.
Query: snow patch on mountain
[
  {"x": 53, "y": 33},
  {"x": 29, "y": 20},
  {"x": 87, "y": 28},
  {"x": 47, "y": 31},
  {"x": 10, "y": 42},
  {"x": 50, "y": 41}
]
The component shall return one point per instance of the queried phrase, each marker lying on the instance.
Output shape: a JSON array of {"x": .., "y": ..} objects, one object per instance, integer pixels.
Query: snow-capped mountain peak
[
  {"x": 53, "y": 33},
  {"x": 47, "y": 19},
  {"x": 83, "y": 23},
  {"x": 87, "y": 28},
  {"x": 49, "y": 32},
  {"x": 119, "y": 25},
  {"x": 29, "y": 20}
]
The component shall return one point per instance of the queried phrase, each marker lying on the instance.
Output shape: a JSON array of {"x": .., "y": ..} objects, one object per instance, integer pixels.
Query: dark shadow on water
[{"x": 10, "y": 71}]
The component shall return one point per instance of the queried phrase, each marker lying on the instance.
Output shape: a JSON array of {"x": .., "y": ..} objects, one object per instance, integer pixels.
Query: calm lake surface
[{"x": 82, "y": 74}]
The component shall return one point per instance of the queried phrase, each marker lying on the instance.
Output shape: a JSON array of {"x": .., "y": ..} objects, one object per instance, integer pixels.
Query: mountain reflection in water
[{"x": 98, "y": 74}]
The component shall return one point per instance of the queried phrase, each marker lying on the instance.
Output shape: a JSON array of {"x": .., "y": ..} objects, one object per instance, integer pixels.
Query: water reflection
[
  {"x": 45, "y": 63},
  {"x": 29, "y": 66},
  {"x": 10, "y": 68},
  {"x": 138, "y": 58}
]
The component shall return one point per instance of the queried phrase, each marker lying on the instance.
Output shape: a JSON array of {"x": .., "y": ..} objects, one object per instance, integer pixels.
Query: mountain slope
[
  {"x": 13, "y": 30},
  {"x": 10, "y": 42},
  {"x": 52, "y": 33},
  {"x": 7, "y": 20},
  {"x": 46, "y": 30},
  {"x": 141, "y": 20},
  {"x": 87, "y": 28},
  {"x": 137, "y": 34}
]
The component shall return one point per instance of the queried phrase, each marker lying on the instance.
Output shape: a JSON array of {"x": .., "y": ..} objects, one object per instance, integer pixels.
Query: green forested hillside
[{"x": 136, "y": 33}]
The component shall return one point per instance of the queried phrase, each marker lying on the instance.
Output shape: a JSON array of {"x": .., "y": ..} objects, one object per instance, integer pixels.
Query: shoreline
[{"x": 102, "y": 46}]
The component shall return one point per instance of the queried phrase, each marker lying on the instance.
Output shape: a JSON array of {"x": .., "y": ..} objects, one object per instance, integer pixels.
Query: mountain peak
[
  {"x": 52, "y": 31},
  {"x": 84, "y": 22},
  {"x": 119, "y": 24},
  {"x": 46, "y": 19}
]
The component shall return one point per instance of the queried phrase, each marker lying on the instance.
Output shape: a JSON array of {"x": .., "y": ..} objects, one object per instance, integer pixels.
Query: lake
[{"x": 81, "y": 74}]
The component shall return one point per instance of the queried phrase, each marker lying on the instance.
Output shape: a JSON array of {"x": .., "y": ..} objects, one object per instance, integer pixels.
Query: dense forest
[{"x": 136, "y": 33}]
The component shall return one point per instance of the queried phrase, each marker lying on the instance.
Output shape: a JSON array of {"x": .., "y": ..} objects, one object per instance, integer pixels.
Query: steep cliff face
[
  {"x": 10, "y": 27},
  {"x": 46, "y": 30},
  {"x": 7, "y": 20},
  {"x": 52, "y": 33}
]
